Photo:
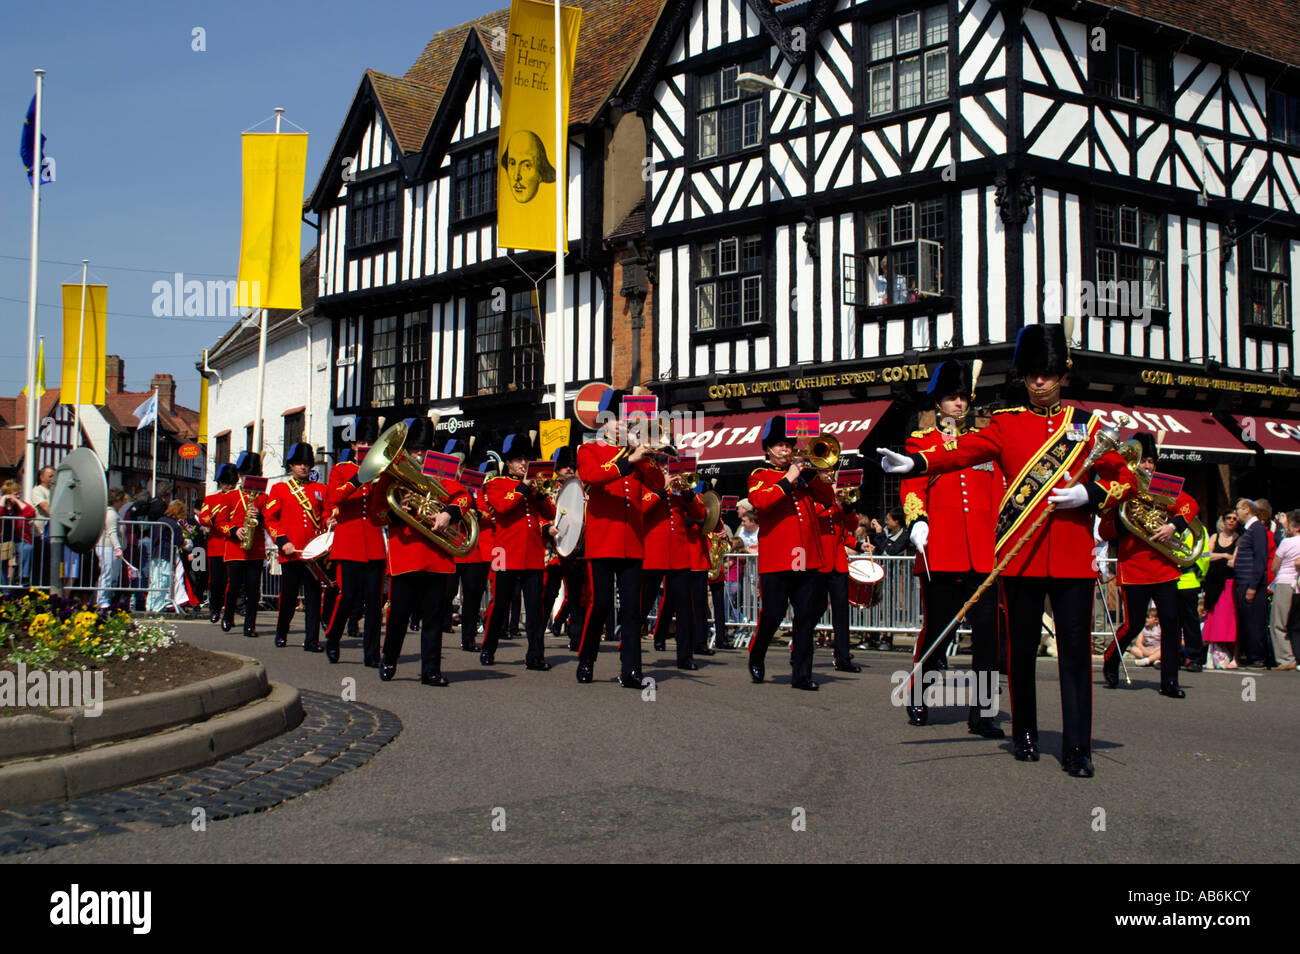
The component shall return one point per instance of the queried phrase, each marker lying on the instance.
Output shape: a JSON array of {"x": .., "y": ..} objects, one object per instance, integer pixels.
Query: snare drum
[
  {"x": 864, "y": 576},
  {"x": 316, "y": 557}
]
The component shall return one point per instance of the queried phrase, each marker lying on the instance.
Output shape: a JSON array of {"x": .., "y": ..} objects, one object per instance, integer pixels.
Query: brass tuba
[
  {"x": 1145, "y": 512},
  {"x": 822, "y": 452},
  {"x": 415, "y": 497}
]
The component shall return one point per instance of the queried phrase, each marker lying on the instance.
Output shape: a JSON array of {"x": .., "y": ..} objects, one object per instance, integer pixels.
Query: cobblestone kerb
[{"x": 334, "y": 737}]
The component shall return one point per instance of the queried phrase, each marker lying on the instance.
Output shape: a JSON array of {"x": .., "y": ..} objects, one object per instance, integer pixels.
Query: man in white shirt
[{"x": 40, "y": 545}]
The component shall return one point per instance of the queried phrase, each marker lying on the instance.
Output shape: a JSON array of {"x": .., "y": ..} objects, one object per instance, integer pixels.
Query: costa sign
[{"x": 719, "y": 438}]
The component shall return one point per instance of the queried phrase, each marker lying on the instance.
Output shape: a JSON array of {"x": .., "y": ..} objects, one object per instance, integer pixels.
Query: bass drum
[
  {"x": 865, "y": 575},
  {"x": 316, "y": 557},
  {"x": 570, "y": 517}
]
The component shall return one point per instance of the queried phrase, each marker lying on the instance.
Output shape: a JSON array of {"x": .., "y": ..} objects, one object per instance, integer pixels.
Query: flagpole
[
  {"x": 561, "y": 180},
  {"x": 261, "y": 348},
  {"x": 153, "y": 477},
  {"x": 29, "y": 452},
  {"x": 81, "y": 350}
]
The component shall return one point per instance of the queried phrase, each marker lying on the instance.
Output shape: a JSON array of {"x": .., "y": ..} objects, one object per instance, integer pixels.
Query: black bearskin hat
[
  {"x": 365, "y": 430},
  {"x": 300, "y": 453},
  {"x": 950, "y": 377},
  {"x": 1041, "y": 349},
  {"x": 419, "y": 435}
]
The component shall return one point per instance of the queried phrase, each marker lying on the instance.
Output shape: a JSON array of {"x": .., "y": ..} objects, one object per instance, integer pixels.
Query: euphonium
[
  {"x": 1145, "y": 512},
  {"x": 719, "y": 547},
  {"x": 414, "y": 497},
  {"x": 822, "y": 452}
]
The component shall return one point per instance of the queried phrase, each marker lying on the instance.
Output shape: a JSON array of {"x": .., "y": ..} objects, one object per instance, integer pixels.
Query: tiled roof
[
  {"x": 633, "y": 223},
  {"x": 408, "y": 106},
  {"x": 1268, "y": 27},
  {"x": 435, "y": 65},
  {"x": 240, "y": 333}
]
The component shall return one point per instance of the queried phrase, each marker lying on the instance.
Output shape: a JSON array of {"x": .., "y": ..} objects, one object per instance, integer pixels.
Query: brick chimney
[
  {"x": 114, "y": 374},
  {"x": 166, "y": 390}
]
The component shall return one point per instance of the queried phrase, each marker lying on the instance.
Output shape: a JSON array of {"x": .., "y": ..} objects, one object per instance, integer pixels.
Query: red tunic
[
  {"x": 836, "y": 525},
  {"x": 1062, "y": 547},
  {"x": 615, "y": 525},
  {"x": 961, "y": 507},
  {"x": 211, "y": 514},
  {"x": 673, "y": 538},
  {"x": 410, "y": 551},
  {"x": 483, "y": 552},
  {"x": 519, "y": 539},
  {"x": 286, "y": 519},
  {"x": 356, "y": 535},
  {"x": 1139, "y": 562},
  {"x": 789, "y": 529},
  {"x": 234, "y": 511}
]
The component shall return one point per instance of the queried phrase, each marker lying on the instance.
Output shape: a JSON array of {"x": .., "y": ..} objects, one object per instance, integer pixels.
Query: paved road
[{"x": 717, "y": 769}]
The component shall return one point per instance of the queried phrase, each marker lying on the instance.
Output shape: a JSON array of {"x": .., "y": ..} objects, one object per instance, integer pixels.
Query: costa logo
[{"x": 1283, "y": 429}]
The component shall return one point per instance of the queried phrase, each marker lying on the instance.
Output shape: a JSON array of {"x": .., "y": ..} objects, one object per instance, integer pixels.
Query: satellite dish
[{"x": 79, "y": 499}]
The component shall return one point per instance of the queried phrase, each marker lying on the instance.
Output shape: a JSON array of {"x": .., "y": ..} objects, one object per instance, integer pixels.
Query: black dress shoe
[
  {"x": 387, "y": 671},
  {"x": 630, "y": 680},
  {"x": 1173, "y": 692},
  {"x": 213, "y": 619},
  {"x": 313, "y": 647},
  {"x": 542, "y": 666},
  {"x": 706, "y": 651},
  {"x": 661, "y": 646},
  {"x": 847, "y": 666},
  {"x": 469, "y": 647},
  {"x": 1110, "y": 672},
  {"x": 225, "y": 627},
  {"x": 985, "y": 728},
  {"x": 250, "y": 633},
  {"x": 434, "y": 679},
  {"x": 1077, "y": 763},
  {"x": 918, "y": 715},
  {"x": 486, "y": 659},
  {"x": 331, "y": 651},
  {"x": 584, "y": 672},
  {"x": 807, "y": 685},
  {"x": 573, "y": 645},
  {"x": 1025, "y": 748},
  {"x": 281, "y": 641},
  {"x": 1193, "y": 667},
  {"x": 371, "y": 663},
  {"x": 756, "y": 672},
  {"x": 688, "y": 663}
]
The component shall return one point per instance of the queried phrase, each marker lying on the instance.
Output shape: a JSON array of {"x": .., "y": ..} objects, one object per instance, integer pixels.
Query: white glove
[
  {"x": 892, "y": 463},
  {"x": 920, "y": 534},
  {"x": 1067, "y": 498}
]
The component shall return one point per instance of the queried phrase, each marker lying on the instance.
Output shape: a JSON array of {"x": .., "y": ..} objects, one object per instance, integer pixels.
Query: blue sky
[{"x": 145, "y": 135}]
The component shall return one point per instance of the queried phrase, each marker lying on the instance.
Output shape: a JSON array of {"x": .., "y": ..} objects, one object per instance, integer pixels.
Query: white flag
[{"x": 147, "y": 411}]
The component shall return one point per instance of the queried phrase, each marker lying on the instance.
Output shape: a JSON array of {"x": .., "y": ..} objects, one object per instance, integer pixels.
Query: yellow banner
[
  {"x": 275, "y": 168},
  {"x": 203, "y": 412},
  {"x": 93, "y": 346},
  {"x": 526, "y": 147},
  {"x": 554, "y": 434}
]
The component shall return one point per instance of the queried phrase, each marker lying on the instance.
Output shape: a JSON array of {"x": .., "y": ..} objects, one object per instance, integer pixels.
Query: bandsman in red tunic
[
  {"x": 1043, "y": 445},
  {"x": 673, "y": 516},
  {"x": 837, "y": 523},
  {"x": 472, "y": 568},
  {"x": 570, "y": 571},
  {"x": 522, "y": 516},
  {"x": 246, "y": 552},
  {"x": 952, "y": 518},
  {"x": 358, "y": 549},
  {"x": 1146, "y": 574},
  {"x": 616, "y": 477},
  {"x": 786, "y": 495},
  {"x": 420, "y": 569},
  {"x": 211, "y": 518},
  {"x": 295, "y": 513}
]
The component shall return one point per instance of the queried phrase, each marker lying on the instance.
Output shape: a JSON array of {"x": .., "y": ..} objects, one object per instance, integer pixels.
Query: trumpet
[
  {"x": 681, "y": 483},
  {"x": 546, "y": 486},
  {"x": 821, "y": 452},
  {"x": 847, "y": 496}
]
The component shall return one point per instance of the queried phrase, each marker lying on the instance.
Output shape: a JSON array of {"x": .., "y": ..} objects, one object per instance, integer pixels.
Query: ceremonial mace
[{"x": 1106, "y": 441}]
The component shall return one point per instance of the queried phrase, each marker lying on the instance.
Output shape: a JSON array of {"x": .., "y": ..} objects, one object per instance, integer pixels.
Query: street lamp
[{"x": 757, "y": 83}]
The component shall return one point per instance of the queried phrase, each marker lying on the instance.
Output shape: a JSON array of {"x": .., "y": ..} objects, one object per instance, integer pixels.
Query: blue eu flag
[{"x": 27, "y": 148}]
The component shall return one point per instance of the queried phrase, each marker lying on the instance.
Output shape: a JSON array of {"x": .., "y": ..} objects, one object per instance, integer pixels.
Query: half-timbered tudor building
[
  {"x": 427, "y": 311},
  {"x": 934, "y": 175}
]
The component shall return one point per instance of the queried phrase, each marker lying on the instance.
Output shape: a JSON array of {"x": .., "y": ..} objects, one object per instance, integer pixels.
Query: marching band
[{"x": 401, "y": 528}]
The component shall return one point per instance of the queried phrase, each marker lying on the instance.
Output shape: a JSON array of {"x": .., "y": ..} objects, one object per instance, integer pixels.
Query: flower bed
[{"x": 53, "y": 632}]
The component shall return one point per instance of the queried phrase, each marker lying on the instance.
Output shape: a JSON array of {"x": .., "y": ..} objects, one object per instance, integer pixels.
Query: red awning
[
  {"x": 1189, "y": 434},
  {"x": 1276, "y": 435},
  {"x": 720, "y": 438}
]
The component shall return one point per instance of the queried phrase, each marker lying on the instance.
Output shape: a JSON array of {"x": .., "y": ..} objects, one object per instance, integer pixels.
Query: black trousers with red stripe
[
  {"x": 805, "y": 590},
  {"x": 359, "y": 582},
  {"x": 507, "y": 585},
  {"x": 699, "y": 584},
  {"x": 717, "y": 591},
  {"x": 419, "y": 594},
  {"x": 603, "y": 575},
  {"x": 295, "y": 576},
  {"x": 1136, "y": 598},
  {"x": 942, "y": 595},
  {"x": 473, "y": 584},
  {"x": 837, "y": 592},
  {"x": 216, "y": 587},
  {"x": 243, "y": 576},
  {"x": 1072, "y": 613}
]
